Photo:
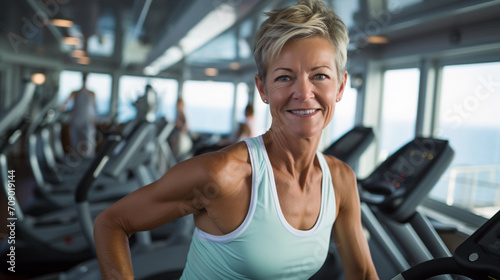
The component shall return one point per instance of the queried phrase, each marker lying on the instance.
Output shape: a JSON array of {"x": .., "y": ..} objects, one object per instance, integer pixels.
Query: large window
[
  {"x": 241, "y": 101},
  {"x": 469, "y": 118},
  {"x": 399, "y": 110},
  {"x": 262, "y": 114},
  {"x": 133, "y": 87},
  {"x": 209, "y": 106},
  {"x": 70, "y": 81}
]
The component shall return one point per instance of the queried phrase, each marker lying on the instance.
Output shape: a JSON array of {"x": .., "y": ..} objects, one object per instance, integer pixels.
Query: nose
[{"x": 303, "y": 88}]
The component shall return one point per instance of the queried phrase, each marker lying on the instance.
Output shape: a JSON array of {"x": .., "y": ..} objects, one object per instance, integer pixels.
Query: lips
[{"x": 303, "y": 112}]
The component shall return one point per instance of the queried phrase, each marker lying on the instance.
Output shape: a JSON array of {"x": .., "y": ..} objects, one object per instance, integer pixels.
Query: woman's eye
[
  {"x": 320, "y": 76},
  {"x": 283, "y": 79}
]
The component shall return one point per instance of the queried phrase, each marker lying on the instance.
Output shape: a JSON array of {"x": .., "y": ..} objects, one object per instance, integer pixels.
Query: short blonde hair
[{"x": 309, "y": 18}]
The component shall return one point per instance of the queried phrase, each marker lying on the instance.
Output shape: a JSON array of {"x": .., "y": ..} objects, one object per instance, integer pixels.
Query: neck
[{"x": 295, "y": 155}]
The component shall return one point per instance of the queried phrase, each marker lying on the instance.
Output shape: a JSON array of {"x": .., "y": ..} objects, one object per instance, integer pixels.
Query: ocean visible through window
[{"x": 469, "y": 118}]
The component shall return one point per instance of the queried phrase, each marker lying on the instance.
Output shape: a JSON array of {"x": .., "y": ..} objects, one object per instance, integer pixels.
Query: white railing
[{"x": 469, "y": 179}]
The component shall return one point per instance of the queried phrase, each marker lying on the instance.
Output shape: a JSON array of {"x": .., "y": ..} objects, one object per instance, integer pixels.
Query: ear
[
  {"x": 340, "y": 92},
  {"x": 260, "y": 87}
]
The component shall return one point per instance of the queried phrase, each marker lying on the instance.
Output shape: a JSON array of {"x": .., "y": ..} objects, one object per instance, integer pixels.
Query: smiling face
[{"x": 302, "y": 87}]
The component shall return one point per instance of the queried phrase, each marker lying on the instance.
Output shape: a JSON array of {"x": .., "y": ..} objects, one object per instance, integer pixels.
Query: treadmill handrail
[
  {"x": 431, "y": 268},
  {"x": 133, "y": 143},
  {"x": 98, "y": 164},
  {"x": 12, "y": 136},
  {"x": 470, "y": 259},
  {"x": 15, "y": 112},
  {"x": 38, "y": 121}
]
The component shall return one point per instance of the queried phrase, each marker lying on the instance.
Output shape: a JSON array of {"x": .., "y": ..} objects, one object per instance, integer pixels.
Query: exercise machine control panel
[
  {"x": 351, "y": 145},
  {"x": 401, "y": 182}
]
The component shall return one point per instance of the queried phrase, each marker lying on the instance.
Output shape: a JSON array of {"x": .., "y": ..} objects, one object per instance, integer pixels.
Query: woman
[
  {"x": 246, "y": 129},
  {"x": 179, "y": 139},
  {"x": 83, "y": 120},
  {"x": 263, "y": 208}
]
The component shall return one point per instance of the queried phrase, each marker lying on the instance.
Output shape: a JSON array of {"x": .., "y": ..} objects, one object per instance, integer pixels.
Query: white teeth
[{"x": 303, "y": 112}]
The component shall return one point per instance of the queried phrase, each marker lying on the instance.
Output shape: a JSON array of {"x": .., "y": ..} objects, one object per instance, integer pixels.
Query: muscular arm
[
  {"x": 174, "y": 195},
  {"x": 347, "y": 230}
]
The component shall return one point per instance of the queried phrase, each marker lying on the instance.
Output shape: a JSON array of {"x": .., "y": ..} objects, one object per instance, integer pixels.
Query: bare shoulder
[
  {"x": 226, "y": 168},
  {"x": 343, "y": 179},
  {"x": 341, "y": 171},
  {"x": 220, "y": 170}
]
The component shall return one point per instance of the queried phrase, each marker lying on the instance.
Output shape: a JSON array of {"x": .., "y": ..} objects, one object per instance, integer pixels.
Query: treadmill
[
  {"x": 54, "y": 241},
  {"x": 399, "y": 235}
]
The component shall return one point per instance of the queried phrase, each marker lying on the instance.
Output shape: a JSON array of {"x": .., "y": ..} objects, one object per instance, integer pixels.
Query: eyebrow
[
  {"x": 320, "y": 66},
  {"x": 312, "y": 69},
  {"x": 282, "y": 68}
]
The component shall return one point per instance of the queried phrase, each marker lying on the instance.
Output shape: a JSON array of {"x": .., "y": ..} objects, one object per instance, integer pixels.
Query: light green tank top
[{"x": 264, "y": 246}]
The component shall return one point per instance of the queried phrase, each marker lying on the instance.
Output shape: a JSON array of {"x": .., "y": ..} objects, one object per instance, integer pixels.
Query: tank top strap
[
  {"x": 256, "y": 154},
  {"x": 328, "y": 192}
]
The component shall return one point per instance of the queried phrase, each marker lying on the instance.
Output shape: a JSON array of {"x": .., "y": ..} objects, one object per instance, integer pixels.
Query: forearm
[
  {"x": 112, "y": 248},
  {"x": 357, "y": 262},
  {"x": 359, "y": 270}
]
